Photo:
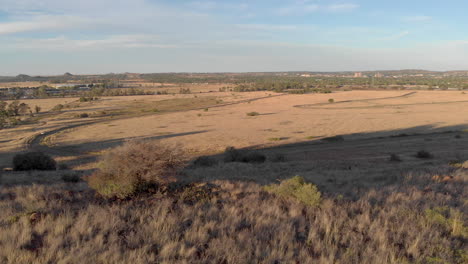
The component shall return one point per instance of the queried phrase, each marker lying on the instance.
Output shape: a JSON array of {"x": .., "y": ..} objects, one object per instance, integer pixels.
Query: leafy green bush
[
  {"x": 253, "y": 114},
  {"x": 297, "y": 188},
  {"x": 331, "y": 100},
  {"x": 33, "y": 161},
  {"x": 134, "y": 168}
]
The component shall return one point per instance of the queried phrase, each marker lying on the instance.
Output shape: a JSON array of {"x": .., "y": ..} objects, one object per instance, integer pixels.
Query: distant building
[
  {"x": 358, "y": 75},
  {"x": 378, "y": 75}
]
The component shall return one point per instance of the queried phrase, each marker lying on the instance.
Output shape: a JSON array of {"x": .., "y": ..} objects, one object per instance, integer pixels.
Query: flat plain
[{"x": 389, "y": 165}]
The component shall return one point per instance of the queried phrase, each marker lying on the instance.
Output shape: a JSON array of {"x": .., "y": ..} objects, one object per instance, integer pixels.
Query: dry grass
[{"x": 415, "y": 221}]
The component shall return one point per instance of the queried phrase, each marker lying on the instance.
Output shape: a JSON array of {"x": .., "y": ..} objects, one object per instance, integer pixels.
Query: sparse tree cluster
[{"x": 10, "y": 113}]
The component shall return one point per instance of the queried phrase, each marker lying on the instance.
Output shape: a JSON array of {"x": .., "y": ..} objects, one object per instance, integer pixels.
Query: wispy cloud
[
  {"x": 397, "y": 36},
  {"x": 46, "y": 23},
  {"x": 266, "y": 27},
  {"x": 109, "y": 42},
  {"x": 416, "y": 18},
  {"x": 342, "y": 7},
  {"x": 306, "y": 7}
]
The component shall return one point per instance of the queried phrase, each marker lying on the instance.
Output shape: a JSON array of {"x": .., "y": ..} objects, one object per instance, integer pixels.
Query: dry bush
[
  {"x": 278, "y": 157},
  {"x": 33, "y": 161},
  {"x": 136, "y": 167},
  {"x": 232, "y": 154},
  {"x": 298, "y": 189},
  {"x": 253, "y": 114},
  {"x": 205, "y": 161},
  {"x": 415, "y": 221},
  {"x": 423, "y": 154},
  {"x": 395, "y": 158}
]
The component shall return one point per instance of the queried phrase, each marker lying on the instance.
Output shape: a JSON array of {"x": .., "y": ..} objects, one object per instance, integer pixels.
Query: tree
[
  {"x": 16, "y": 108},
  {"x": 3, "y": 110}
]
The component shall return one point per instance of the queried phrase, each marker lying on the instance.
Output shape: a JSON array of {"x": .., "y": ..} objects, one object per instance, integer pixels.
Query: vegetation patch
[
  {"x": 253, "y": 114},
  {"x": 135, "y": 168},
  {"x": 395, "y": 158},
  {"x": 71, "y": 178},
  {"x": 333, "y": 139},
  {"x": 33, "y": 161},
  {"x": 234, "y": 155},
  {"x": 298, "y": 189},
  {"x": 423, "y": 154},
  {"x": 278, "y": 157},
  {"x": 277, "y": 138},
  {"x": 205, "y": 161}
]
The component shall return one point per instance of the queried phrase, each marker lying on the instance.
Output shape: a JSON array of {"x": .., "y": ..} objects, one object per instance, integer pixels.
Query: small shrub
[
  {"x": 331, "y": 100},
  {"x": 135, "y": 168},
  {"x": 298, "y": 189},
  {"x": 395, "y": 158},
  {"x": 449, "y": 218},
  {"x": 253, "y": 114},
  {"x": 71, "y": 178},
  {"x": 422, "y": 154},
  {"x": 278, "y": 157},
  {"x": 63, "y": 166},
  {"x": 275, "y": 139},
  {"x": 33, "y": 161},
  {"x": 253, "y": 157},
  {"x": 84, "y": 115},
  {"x": 58, "y": 107},
  {"x": 197, "y": 192},
  {"x": 234, "y": 155},
  {"x": 205, "y": 161}
]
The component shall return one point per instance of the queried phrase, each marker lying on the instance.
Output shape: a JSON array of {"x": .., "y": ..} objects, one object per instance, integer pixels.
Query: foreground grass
[{"x": 417, "y": 220}]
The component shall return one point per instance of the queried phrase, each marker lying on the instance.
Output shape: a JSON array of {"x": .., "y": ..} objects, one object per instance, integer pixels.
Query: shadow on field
[
  {"x": 346, "y": 164},
  {"x": 85, "y": 153}
]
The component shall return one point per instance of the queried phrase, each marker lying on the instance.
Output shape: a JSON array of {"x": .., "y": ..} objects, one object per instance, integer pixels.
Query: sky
[{"x": 47, "y": 37}]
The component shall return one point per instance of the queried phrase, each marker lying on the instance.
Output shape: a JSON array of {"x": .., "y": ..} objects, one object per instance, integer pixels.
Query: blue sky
[{"x": 102, "y": 36}]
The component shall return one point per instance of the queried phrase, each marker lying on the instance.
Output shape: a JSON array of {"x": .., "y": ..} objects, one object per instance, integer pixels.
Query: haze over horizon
[{"x": 50, "y": 37}]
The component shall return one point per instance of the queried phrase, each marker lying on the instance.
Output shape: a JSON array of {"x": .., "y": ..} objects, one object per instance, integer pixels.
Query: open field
[
  {"x": 216, "y": 122},
  {"x": 381, "y": 201}
]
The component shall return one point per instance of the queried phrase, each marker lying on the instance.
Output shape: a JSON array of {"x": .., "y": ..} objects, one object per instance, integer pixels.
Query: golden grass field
[
  {"x": 375, "y": 199},
  {"x": 216, "y": 123}
]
